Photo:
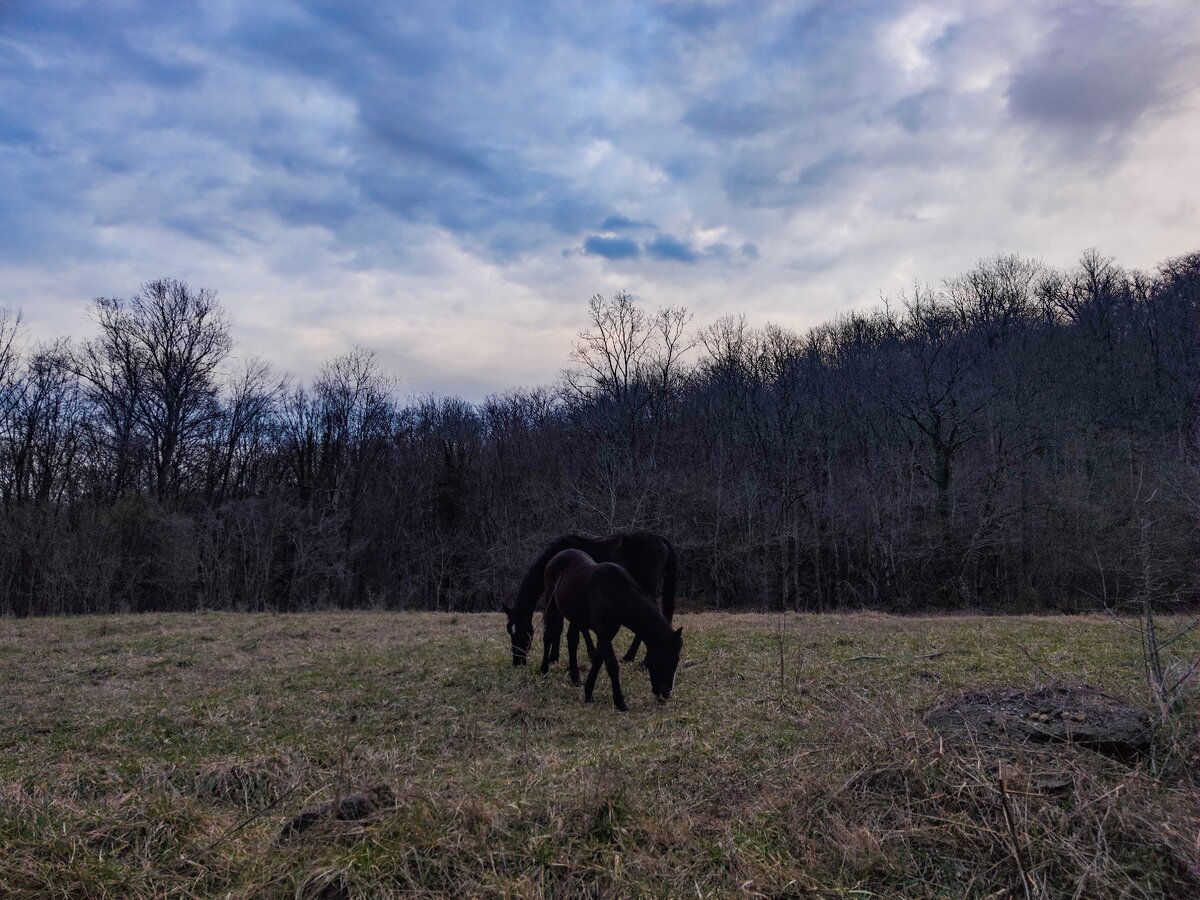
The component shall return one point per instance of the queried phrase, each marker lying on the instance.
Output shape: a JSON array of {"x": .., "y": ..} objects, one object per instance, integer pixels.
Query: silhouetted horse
[
  {"x": 602, "y": 597},
  {"x": 647, "y": 556}
]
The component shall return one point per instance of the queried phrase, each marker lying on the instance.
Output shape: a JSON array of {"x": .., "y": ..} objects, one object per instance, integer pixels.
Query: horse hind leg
[
  {"x": 573, "y": 654},
  {"x": 552, "y": 625},
  {"x": 590, "y": 685}
]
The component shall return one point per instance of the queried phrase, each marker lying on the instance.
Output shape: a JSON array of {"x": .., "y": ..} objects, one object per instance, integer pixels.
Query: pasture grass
[{"x": 157, "y": 756}]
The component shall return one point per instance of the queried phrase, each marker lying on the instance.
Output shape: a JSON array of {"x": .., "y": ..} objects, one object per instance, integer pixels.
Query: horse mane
[{"x": 531, "y": 585}]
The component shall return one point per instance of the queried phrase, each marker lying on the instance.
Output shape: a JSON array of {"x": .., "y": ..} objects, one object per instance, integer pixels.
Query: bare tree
[
  {"x": 154, "y": 369},
  {"x": 43, "y": 433},
  {"x": 242, "y": 434},
  {"x": 972, "y": 443},
  {"x": 613, "y": 353}
]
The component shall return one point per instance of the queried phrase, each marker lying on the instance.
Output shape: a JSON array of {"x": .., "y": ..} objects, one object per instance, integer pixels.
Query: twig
[
  {"x": 1182, "y": 633},
  {"x": 1037, "y": 665},
  {"x": 242, "y": 824},
  {"x": 351, "y": 718},
  {"x": 1027, "y": 881},
  {"x": 866, "y": 656},
  {"x": 781, "y": 654},
  {"x": 1117, "y": 619},
  {"x": 1191, "y": 670}
]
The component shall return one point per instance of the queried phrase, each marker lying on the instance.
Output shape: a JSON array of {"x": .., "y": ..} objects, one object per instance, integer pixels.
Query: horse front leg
[
  {"x": 552, "y": 623},
  {"x": 631, "y": 653},
  {"x": 614, "y": 674}
]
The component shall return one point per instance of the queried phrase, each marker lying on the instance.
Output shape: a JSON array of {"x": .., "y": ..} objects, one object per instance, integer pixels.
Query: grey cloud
[
  {"x": 920, "y": 111},
  {"x": 663, "y": 247},
  {"x": 310, "y": 141},
  {"x": 719, "y": 118},
  {"x": 201, "y": 228},
  {"x": 768, "y": 180},
  {"x": 618, "y": 222},
  {"x": 696, "y": 16},
  {"x": 18, "y": 135},
  {"x": 1101, "y": 66},
  {"x": 666, "y": 247},
  {"x": 611, "y": 247}
]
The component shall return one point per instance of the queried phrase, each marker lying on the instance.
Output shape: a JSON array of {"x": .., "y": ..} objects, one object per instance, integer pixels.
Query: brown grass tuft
[{"x": 793, "y": 761}]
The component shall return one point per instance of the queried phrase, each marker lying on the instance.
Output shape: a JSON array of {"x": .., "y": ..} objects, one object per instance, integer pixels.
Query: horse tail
[{"x": 670, "y": 574}]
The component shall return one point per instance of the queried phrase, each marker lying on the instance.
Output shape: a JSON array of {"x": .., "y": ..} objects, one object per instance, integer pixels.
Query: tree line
[{"x": 1016, "y": 438}]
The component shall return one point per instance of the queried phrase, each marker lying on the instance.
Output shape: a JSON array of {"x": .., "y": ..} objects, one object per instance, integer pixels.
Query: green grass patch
[{"x": 158, "y": 755}]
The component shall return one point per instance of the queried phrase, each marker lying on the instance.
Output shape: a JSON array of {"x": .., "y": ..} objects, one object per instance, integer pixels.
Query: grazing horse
[
  {"x": 648, "y": 557},
  {"x": 603, "y": 597}
]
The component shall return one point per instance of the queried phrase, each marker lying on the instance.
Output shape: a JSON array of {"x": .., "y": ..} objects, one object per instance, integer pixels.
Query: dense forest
[{"x": 1016, "y": 438}]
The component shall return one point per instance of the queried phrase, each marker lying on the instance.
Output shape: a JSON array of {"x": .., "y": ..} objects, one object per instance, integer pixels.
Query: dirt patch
[
  {"x": 359, "y": 808},
  {"x": 1077, "y": 714}
]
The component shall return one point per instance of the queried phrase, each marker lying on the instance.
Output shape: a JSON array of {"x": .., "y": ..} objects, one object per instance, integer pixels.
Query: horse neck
[{"x": 643, "y": 618}]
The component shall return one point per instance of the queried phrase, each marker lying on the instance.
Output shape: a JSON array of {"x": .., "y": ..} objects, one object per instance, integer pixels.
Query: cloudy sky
[{"x": 447, "y": 183}]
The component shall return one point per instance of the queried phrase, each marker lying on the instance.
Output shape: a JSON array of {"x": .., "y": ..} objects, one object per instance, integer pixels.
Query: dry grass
[{"x": 158, "y": 755}]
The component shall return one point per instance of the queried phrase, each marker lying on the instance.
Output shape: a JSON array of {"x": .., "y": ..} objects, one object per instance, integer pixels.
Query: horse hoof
[
  {"x": 621, "y": 707},
  {"x": 587, "y": 699},
  {"x": 577, "y": 682}
]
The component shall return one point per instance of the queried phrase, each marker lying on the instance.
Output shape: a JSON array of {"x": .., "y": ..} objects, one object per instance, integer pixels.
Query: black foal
[{"x": 604, "y": 598}]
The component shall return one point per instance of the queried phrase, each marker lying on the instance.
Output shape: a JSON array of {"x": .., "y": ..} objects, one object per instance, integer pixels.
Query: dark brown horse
[
  {"x": 604, "y": 598},
  {"x": 648, "y": 557}
]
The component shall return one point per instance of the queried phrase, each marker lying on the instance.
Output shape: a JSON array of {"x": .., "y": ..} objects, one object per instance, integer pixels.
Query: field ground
[{"x": 158, "y": 755}]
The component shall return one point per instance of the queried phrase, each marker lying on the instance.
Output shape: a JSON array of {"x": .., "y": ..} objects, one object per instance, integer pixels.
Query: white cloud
[{"x": 419, "y": 183}]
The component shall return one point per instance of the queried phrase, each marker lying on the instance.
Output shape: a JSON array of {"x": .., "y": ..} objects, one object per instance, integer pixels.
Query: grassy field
[{"x": 158, "y": 755}]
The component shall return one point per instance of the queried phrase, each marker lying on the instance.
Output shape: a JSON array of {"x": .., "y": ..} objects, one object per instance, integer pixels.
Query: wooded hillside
[{"x": 1016, "y": 438}]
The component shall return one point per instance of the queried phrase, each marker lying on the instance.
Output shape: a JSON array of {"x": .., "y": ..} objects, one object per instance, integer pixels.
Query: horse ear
[
  {"x": 504, "y": 606},
  {"x": 679, "y": 633}
]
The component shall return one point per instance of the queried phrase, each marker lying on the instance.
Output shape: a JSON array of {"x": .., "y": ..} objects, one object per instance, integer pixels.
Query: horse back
[
  {"x": 566, "y": 583},
  {"x": 649, "y": 558},
  {"x": 645, "y": 555},
  {"x": 615, "y": 600},
  {"x": 609, "y": 580}
]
